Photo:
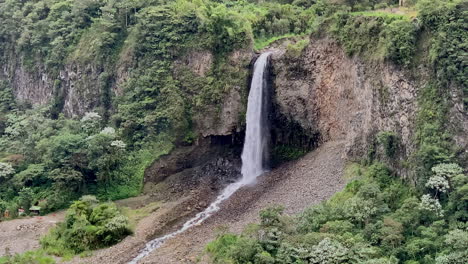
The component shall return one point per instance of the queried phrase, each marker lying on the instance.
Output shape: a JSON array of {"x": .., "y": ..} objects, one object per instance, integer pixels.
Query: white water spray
[{"x": 252, "y": 155}]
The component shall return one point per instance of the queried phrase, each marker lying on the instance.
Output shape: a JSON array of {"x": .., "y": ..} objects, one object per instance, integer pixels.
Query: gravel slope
[
  {"x": 296, "y": 185},
  {"x": 19, "y": 235}
]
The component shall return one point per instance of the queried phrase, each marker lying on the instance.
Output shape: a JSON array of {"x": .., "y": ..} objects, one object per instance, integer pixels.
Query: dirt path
[
  {"x": 296, "y": 185},
  {"x": 19, "y": 235}
]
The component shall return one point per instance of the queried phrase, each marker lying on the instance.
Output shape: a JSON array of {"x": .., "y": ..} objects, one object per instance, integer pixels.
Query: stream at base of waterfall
[{"x": 253, "y": 154}]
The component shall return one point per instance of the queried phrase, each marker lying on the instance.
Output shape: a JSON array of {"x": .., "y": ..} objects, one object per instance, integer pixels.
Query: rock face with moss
[
  {"x": 344, "y": 97},
  {"x": 373, "y": 91},
  {"x": 82, "y": 88}
]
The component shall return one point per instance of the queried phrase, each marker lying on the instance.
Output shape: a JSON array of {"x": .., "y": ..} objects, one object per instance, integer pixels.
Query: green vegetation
[
  {"x": 135, "y": 215},
  {"x": 389, "y": 141},
  {"x": 55, "y": 160},
  {"x": 49, "y": 160},
  {"x": 377, "y": 218},
  {"x": 88, "y": 225},
  {"x": 29, "y": 257},
  {"x": 376, "y": 37},
  {"x": 283, "y": 153}
]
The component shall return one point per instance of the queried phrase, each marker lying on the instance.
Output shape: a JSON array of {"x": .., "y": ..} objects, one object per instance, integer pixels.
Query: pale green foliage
[
  {"x": 459, "y": 257},
  {"x": 438, "y": 183},
  {"x": 108, "y": 131},
  {"x": 457, "y": 239},
  {"x": 360, "y": 209},
  {"x": 89, "y": 199},
  {"x": 431, "y": 205},
  {"x": 118, "y": 144},
  {"x": 6, "y": 170},
  {"x": 328, "y": 251},
  {"x": 391, "y": 260},
  {"x": 295, "y": 50},
  {"x": 28, "y": 257},
  {"x": 91, "y": 122},
  {"x": 447, "y": 170}
]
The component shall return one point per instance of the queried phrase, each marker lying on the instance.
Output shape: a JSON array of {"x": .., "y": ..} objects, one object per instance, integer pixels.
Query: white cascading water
[
  {"x": 252, "y": 155},
  {"x": 255, "y": 144}
]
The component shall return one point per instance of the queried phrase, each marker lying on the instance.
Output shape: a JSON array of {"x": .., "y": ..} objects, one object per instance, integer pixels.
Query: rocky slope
[
  {"x": 20, "y": 235},
  {"x": 296, "y": 185}
]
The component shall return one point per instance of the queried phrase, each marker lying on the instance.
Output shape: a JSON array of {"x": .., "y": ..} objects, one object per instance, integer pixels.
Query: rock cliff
[
  {"x": 347, "y": 98},
  {"x": 82, "y": 87}
]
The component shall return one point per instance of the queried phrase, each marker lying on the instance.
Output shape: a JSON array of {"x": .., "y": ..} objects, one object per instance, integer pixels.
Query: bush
[
  {"x": 357, "y": 34},
  {"x": 368, "y": 222},
  {"x": 87, "y": 226}
]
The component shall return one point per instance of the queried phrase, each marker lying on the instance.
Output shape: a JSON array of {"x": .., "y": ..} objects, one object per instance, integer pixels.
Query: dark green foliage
[
  {"x": 446, "y": 20},
  {"x": 283, "y": 153},
  {"x": 87, "y": 226},
  {"x": 379, "y": 36},
  {"x": 61, "y": 159},
  {"x": 389, "y": 141},
  {"x": 376, "y": 219},
  {"x": 400, "y": 37},
  {"x": 434, "y": 142},
  {"x": 7, "y": 100}
]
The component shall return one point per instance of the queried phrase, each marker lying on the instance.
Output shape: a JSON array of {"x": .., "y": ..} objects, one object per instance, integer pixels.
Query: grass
[
  {"x": 402, "y": 12},
  {"x": 28, "y": 257},
  {"x": 261, "y": 43},
  {"x": 378, "y": 14},
  {"x": 353, "y": 170},
  {"x": 135, "y": 215}
]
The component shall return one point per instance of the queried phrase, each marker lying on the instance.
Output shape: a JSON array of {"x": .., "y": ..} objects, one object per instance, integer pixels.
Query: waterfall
[
  {"x": 253, "y": 154},
  {"x": 255, "y": 144}
]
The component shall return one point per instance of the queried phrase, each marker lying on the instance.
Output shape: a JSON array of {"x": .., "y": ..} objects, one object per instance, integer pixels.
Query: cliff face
[
  {"x": 346, "y": 98},
  {"x": 328, "y": 94},
  {"x": 343, "y": 98},
  {"x": 82, "y": 87}
]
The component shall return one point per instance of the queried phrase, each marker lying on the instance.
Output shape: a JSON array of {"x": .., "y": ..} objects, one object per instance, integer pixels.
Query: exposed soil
[
  {"x": 296, "y": 185},
  {"x": 19, "y": 235}
]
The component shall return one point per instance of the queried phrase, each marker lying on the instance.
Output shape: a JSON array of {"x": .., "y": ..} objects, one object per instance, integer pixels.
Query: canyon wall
[
  {"x": 83, "y": 87},
  {"x": 351, "y": 99}
]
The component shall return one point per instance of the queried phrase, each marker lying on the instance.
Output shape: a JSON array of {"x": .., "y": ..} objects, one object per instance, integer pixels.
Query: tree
[
  {"x": 67, "y": 178},
  {"x": 26, "y": 197},
  {"x": 6, "y": 170},
  {"x": 105, "y": 154}
]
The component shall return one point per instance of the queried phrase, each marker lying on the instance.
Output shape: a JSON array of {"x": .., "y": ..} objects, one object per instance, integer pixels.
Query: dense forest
[{"x": 51, "y": 156}]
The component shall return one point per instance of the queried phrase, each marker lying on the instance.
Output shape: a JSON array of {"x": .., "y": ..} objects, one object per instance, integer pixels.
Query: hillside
[{"x": 102, "y": 101}]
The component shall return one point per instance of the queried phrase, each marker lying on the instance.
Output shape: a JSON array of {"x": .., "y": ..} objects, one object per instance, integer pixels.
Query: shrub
[
  {"x": 400, "y": 40},
  {"x": 87, "y": 226}
]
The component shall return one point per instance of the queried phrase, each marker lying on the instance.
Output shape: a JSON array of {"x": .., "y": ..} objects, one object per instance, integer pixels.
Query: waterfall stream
[{"x": 253, "y": 154}]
